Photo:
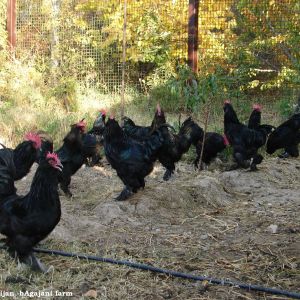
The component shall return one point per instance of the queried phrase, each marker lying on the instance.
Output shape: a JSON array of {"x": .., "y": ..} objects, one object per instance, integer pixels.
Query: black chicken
[
  {"x": 255, "y": 117},
  {"x": 72, "y": 155},
  {"x": 159, "y": 119},
  {"x": 214, "y": 143},
  {"x": 141, "y": 133},
  {"x": 46, "y": 146},
  {"x": 25, "y": 154},
  {"x": 133, "y": 160},
  {"x": 93, "y": 140},
  {"x": 134, "y": 131},
  {"x": 175, "y": 145},
  {"x": 22, "y": 157},
  {"x": 7, "y": 174},
  {"x": 286, "y": 136},
  {"x": 27, "y": 220},
  {"x": 99, "y": 124},
  {"x": 245, "y": 141}
]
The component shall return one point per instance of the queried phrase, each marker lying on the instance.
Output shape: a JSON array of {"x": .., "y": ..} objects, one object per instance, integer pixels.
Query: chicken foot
[
  {"x": 66, "y": 190},
  {"x": 125, "y": 194},
  {"x": 35, "y": 264},
  {"x": 30, "y": 259},
  {"x": 290, "y": 151},
  {"x": 257, "y": 159},
  {"x": 167, "y": 174},
  {"x": 239, "y": 158}
]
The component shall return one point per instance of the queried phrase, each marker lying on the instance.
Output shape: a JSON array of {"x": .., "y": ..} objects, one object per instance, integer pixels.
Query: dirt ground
[{"x": 237, "y": 225}]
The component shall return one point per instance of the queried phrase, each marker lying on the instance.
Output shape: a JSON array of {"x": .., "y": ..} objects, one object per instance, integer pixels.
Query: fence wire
[{"x": 83, "y": 39}]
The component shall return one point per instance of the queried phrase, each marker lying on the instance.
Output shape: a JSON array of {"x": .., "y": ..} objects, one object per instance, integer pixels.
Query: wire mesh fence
[{"x": 254, "y": 40}]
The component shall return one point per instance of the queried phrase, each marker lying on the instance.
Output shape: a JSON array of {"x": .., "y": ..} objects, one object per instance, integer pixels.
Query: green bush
[{"x": 66, "y": 93}]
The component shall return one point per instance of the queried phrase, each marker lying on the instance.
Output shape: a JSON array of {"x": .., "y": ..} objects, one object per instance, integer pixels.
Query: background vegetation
[{"x": 67, "y": 62}]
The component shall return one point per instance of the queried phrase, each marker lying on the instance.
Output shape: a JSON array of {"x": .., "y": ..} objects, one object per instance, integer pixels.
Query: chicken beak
[{"x": 59, "y": 166}]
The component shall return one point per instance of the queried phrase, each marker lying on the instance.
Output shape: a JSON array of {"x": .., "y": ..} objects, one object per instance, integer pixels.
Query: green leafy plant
[
  {"x": 285, "y": 107},
  {"x": 65, "y": 91}
]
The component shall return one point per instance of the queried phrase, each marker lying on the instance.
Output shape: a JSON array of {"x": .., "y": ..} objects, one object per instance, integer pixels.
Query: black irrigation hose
[{"x": 241, "y": 285}]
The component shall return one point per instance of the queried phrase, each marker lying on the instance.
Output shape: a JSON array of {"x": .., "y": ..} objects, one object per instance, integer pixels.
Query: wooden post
[
  {"x": 123, "y": 62},
  {"x": 11, "y": 25},
  {"x": 193, "y": 35}
]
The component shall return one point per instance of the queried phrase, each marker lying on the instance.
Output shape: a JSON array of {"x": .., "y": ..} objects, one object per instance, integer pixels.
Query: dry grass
[
  {"x": 31, "y": 107},
  {"x": 210, "y": 223}
]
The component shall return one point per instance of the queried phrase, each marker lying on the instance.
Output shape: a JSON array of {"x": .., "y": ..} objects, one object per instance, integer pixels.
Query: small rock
[
  {"x": 203, "y": 236},
  {"x": 91, "y": 294},
  {"x": 273, "y": 228}
]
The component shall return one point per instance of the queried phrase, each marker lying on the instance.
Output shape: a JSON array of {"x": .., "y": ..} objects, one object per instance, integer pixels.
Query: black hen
[
  {"x": 133, "y": 160},
  {"x": 23, "y": 156},
  {"x": 214, "y": 143},
  {"x": 99, "y": 124},
  {"x": 286, "y": 136},
  {"x": 47, "y": 145},
  {"x": 72, "y": 155},
  {"x": 27, "y": 220},
  {"x": 134, "y": 131},
  {"x": 141, "y": 133},
  {"x": 245, "y": 141},
  {"x": 175, "y": 145}
]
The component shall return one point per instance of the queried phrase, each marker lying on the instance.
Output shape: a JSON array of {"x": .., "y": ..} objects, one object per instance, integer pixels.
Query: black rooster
[
  {"x": 133, "y": 160},
  {"x": 159, "y": 119},
  {"x": 23, "y": 156},
  {"x": 255, "y": 117},
  {"x": 175, "y": 145},
  {"x": 214, "y": 143},
  {"x": 71, "y": 155},
  {"x": 245, "y": 141},
  {"x": 286, "y": 136},
  {"x": 27, "y": 220}
]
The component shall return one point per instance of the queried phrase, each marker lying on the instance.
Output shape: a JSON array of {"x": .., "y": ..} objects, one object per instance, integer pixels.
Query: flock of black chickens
[{"x": 132, "y": 151}]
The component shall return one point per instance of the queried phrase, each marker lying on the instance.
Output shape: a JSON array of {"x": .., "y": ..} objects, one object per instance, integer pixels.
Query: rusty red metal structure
[
  {"x": 193, "y": 35},
  {"x": 11, "y": 24}
]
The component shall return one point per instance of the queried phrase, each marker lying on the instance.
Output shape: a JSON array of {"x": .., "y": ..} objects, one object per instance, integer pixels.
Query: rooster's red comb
[
  {"x": 103, "y": 111},
  {"x": 226, "y": 142},
  {"x": 54, "y": 160},
  {"x": 158, "y": 109},
  {"x": 257, "y": 107},
  {"x": 81, "y": 124},
  {"x": 34, "y": 138},
  {"x": 52, "y": 156},
  {"x": 227, "y": 101}
]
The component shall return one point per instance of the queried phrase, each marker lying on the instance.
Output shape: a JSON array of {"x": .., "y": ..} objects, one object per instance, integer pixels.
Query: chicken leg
[
  {"x": 35, "y": 264},
  {"x": 125, "y": 194}
]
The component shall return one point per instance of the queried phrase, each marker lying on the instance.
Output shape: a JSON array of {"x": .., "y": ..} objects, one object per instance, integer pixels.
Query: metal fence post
[{"x": 193, "y": 35}]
